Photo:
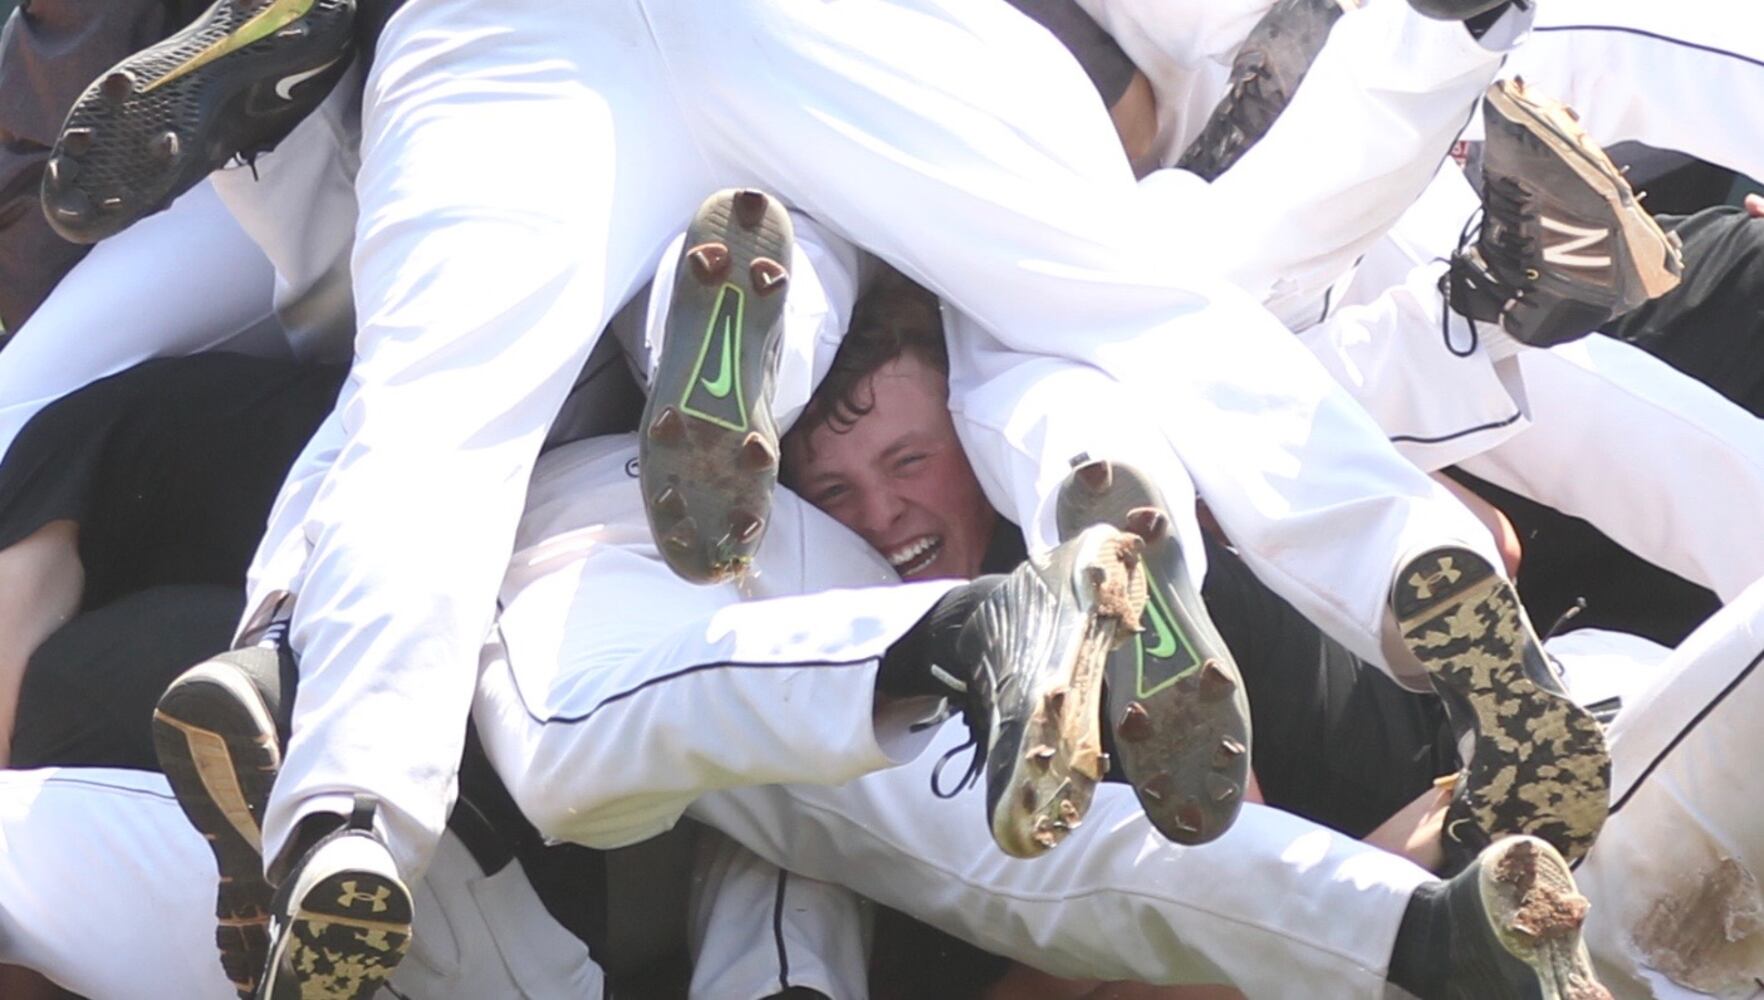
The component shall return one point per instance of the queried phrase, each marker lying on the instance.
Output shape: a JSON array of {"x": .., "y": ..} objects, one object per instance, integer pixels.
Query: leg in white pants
[
  {"x": 183, "y": 281},
  {"x": 481, "y": 277},
  {"x": 1673, "y": 877},
  {"x": 613, "y": 692},
  {"x": 758, "y": 930},
  {"x": 1675, "y": 76},
  {"x": 106, "y": 889},
  {"x": 1274, "y": 902}
]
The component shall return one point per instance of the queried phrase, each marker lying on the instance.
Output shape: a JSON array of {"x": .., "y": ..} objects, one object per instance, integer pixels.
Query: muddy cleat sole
[
  {"x": 235, "y": 81},
  {"x": 708, "y": 454},
  {"x": 1174, "y": 700},
  {"x": 1520, "y": 914},
  {"x": 343, "y": 918},
  {"x": 215, "y": 737},
  {"x": 1040, "y": 641},
  {"x": 1537, "y": 762}
]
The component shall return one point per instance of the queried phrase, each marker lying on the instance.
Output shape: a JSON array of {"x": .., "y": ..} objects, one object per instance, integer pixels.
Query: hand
[{"x": 1755, "y": 205}]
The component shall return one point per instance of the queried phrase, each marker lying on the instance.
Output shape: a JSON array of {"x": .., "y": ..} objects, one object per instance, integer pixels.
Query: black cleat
[
  {"x": 216, "y": 734},
  {"x": 236, "y": 81},
  {"x": 1174, "y": 700},
  {"x": 1037, "y": 645},
  {"x": 1265, "y": 73},
  {"x": 708, "y": 455},
  {"x": 1537, "y": 762},
  {"x": 1565, "y": 244},
  {"x": 1505, "y": 928},
  {"x": 342, "y": 917}
]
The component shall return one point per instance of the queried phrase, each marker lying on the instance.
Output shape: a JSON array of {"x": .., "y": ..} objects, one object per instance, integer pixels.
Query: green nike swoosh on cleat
[
  {"x": 725, "y": 380},
  {"x": 1160, "y": 656},
  {"x": 273, "y": 18}
]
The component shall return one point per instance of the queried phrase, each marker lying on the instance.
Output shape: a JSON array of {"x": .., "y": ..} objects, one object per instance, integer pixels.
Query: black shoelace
[{"x": 1506, "y": 251}]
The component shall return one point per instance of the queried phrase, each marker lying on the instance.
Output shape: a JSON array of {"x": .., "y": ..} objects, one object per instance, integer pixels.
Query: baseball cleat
[
  {"x": 1565, "y": 244},
  {"x": 1038, "y": 644},
  {"x": 708, "y": 455},
  {"x": 1509, "y": 927},
  {"x": 1174, "y": 700},
  {"x": 215, "y": 733},
  {"x": 1537, "y": 762},
  {"x": 1264, "y": 74},
  {"x": 236, "y": 81},
  {"x": 342, "y": 917}
]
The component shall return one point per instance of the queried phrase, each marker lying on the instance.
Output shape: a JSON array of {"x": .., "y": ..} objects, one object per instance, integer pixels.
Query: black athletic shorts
[{"x": 170, "y": 468}]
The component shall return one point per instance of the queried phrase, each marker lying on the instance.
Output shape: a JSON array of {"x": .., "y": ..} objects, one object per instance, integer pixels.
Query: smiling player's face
[{"x": 898, "y": 476}]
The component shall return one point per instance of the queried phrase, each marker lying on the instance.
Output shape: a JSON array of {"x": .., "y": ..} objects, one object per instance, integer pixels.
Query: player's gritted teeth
[{"x": 915, "y": 556}]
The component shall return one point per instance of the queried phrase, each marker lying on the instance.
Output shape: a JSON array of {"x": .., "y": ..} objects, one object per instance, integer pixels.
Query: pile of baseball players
[{"x": 778, "y": 498}]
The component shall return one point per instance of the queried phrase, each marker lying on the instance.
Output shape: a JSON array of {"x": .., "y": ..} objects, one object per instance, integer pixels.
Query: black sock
[
  {"x": 906, "y": 667},
  {"x": 310, "y": 830},
  {"x": 1422, "y": 939},
  {"x": 1480, "y": 24}
]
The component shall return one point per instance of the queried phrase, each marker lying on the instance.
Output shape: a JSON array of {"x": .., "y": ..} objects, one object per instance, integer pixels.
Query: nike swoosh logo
[
  {"x": 285, "y": 86},
  {"x": 1163, "y": 643},
  {"x": 273, "y": 18},
  {"x": 725, "y": 380}
]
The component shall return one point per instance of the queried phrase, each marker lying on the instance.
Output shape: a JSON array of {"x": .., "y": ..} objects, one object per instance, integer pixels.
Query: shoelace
[
  {"x": 974, "y": 715},
  {"x": 1506, "y": 253}
]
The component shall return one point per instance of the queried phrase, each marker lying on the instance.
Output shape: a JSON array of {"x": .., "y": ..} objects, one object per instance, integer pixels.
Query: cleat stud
[
  {"x": 61, "y": 170},
  {"x": 1136, "y": 724},
  {"x": 745, "y": 527},
  {"x": 757, "y": 454},
  {"x": 1027, "y": 798},
  {"x": 1096, "y": 476},
  {"x": 709, "y": 262},
  {"x": 1096, "y": 575},
  {"x": 668, "y": 427},
  {"x": 165, "y": 147},
  {"x": 750, "y": 207},
  {"x": 1228, "y": 751},
  {"x": 767, "y": 275},
  {"x": 1157, "y": 788},
  {"x": 1069, "y": 814},
  {"x": 1103, "y": 763},
  {"x": 73, "y": 204},
  {"x": 1042, "y": 757},
  {"x": 1215, "y": 682},
  {"x": 671, "y": 502},
  {"x": 76, "y": 141},
  {"x": 1221, "y": 788},
  {"x": 1190, "y": 817},
  {"x": 111, "y": 203},
  {"x": 117, "y": 87},
  {"x": 683, "y": 537},
  {"x": 1148, "y": 523},
  {"x": 1054, "y": 703}
]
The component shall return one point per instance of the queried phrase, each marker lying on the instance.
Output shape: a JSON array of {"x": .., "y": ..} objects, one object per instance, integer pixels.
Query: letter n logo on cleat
[
  {"x": 1567, "y": 253},
  {"x": 714, "y": 392},
  {"x": 1162, "y": 653}
]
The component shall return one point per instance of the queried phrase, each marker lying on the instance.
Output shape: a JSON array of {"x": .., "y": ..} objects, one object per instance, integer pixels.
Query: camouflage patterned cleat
[
  {"x": 1565, "y": 245},
  {"x": 1538, "y": 763},
  {"x": 709, "y": 449},
  {"x": 236, "y": 81},
  {"x": 1175, "y": 702}
]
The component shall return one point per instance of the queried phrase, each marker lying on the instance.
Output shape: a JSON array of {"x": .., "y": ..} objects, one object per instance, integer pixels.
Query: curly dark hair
[{"x": 895, "y": 316}]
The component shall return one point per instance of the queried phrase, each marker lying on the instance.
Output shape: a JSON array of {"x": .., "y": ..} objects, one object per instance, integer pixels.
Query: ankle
[
  {"x": 308, "y": 832},
  {"x": 922, "y": 662}
]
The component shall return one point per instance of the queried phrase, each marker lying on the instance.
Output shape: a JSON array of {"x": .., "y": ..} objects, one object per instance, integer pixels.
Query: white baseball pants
[
  {"x": 106, "y": 889},
  {"x": 523, "y": 164},
  {"x": 613, "y": 693}
]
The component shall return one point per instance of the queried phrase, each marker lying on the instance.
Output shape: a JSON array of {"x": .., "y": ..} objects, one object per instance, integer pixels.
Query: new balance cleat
[
  {"x": 1537, "y": 762},
  {"x": 1265, "y": 73},
  {"x": 1174, "y": 700},
  {"x": 342, "y": 918},
  {"x": 708, "y": 454},
  {"x": 1565, "y": 244},
  {"x": 235, "y": 82},
  {"x": 216, "y": 734},
  {"x": 1038, "y": 643},
  {"x": 1505, "y": 928}
]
